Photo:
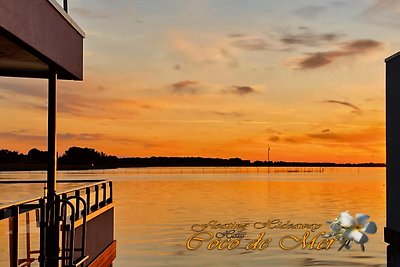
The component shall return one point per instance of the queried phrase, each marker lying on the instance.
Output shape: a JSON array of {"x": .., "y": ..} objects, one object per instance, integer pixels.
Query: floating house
[{"x": 38, "y": 39}]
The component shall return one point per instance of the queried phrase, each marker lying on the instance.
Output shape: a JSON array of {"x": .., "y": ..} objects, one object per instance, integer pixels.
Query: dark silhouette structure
[
  {"x": 392, "y": 229},
  {"x": 88, "y": 158},
  {"x": 38, "y": 39}
]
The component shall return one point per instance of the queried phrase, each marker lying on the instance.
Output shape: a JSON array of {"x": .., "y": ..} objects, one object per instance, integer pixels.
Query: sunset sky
[{"x": 219, "y": 78}]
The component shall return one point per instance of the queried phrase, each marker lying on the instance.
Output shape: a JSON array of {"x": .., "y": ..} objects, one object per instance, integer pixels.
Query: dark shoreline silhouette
[{"x": 77, "y": 158}]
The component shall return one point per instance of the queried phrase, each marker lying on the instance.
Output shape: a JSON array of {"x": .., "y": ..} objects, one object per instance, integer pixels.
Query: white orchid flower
[
  {"x": 346, "y": 229},
  {"x": 357, "y": 231}
]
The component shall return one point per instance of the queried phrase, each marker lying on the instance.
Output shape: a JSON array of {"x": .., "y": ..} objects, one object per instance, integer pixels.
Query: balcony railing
[{"x": 79, "y": 213}]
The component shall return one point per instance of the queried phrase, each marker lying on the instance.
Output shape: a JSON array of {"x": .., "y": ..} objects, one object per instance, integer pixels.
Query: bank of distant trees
[
  {"x": 73, "y": 157},
  {"x": 34, "y": 156},
  {"x": 88, "y": 158}
]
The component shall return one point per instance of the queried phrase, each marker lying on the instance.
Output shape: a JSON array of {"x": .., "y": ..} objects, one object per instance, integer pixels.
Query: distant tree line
[
  {"x": 88, "y": 158},
  {"x": 182, "y": 161},
  {"x": 34, "y": 156},
  {"x": 73, "y": 157}
]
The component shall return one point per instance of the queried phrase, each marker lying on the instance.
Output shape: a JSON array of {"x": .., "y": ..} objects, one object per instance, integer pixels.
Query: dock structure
[
  {"x": 392, "y": 229},
  {"x": 38, "y": 39}
]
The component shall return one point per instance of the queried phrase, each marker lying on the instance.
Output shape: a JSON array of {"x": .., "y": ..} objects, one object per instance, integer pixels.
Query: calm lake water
[{"x": 157, "y": 207}]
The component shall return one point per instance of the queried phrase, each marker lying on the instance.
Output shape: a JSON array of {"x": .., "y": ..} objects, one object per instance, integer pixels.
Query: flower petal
[
  {"x": 348, "y": 245},
  {"x": 338, "y": 236},
  {"x": 335, "y": 227},
  {"x": 328, "y": 235},
  {"x": 346, "y": 220},
  {"x": 362, "y": 218},
  {"x": 369, "y": 227},
  {"x": 357, "y": 236},
  {"x": 342, "y": 246}
]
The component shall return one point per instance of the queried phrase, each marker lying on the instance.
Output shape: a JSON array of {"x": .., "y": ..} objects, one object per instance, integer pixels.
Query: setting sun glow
[{"x": 218, "y": 79}]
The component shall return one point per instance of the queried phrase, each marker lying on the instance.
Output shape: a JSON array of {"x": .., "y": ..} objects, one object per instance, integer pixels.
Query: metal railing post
[
  {"x": 77, "y": 194},
  {"x": 88, "y": 191},
  {"x": 96, "y": 204},
  {"x": 13, "y": 224},
  {"x": 42, "y": 224},
  {"x": 110, "y": 199},
  {"x": 28, "y": 239},
  {"x": 52, "y": 233},
  {"x": 104, "y": 202}
]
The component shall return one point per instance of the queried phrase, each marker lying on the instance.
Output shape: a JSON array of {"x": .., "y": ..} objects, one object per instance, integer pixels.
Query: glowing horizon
[{"x": 218, "y": 79}]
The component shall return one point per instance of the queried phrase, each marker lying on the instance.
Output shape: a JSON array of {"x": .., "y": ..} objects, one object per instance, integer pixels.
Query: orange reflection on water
[{"x": 162, "y": 211}]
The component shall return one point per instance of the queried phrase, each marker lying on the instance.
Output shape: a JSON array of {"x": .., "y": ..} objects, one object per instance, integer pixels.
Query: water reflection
[{"x": 156, "y": 207}]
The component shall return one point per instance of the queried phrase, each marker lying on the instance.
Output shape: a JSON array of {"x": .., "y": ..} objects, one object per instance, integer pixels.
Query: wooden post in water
[{"x": 392, "y": 229}]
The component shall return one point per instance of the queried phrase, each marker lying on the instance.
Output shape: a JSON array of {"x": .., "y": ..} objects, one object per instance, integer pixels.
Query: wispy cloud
[
  {"x": 22, "y": 137},
  {"x": 83, "y": 105},
  {"x": 81, "y": 137},
  {"x": 34, "y": 96},
  {"x": 308, "y": 12},
  {"x": 201, "y": 48},
  {"x": 308, "y": 37},
  {"x": 338, "y": 4},
  {"x": 274, "y": 138},
  {"x": 251, "y": 44},
  {"x": 239, "y": 90},
  {"x": 360, "y": 46},
  {"x": 383, "y": 12},
  {"x": 235, "y": 114},
  {"x": 366, "y": 136},
  {"x": 366, "y": 139},
  {"x": 24, "y": 88},
  {"x": 326, "y": 136},
  {"x": 89, "y": 13},
  {"x": 353, "y": 48},
  {"x": 177, "y": 67},
  {"x": 344, "y": 103},
  {"x": 236, "y": 35},
  {"x": 184, "y": 87}
]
